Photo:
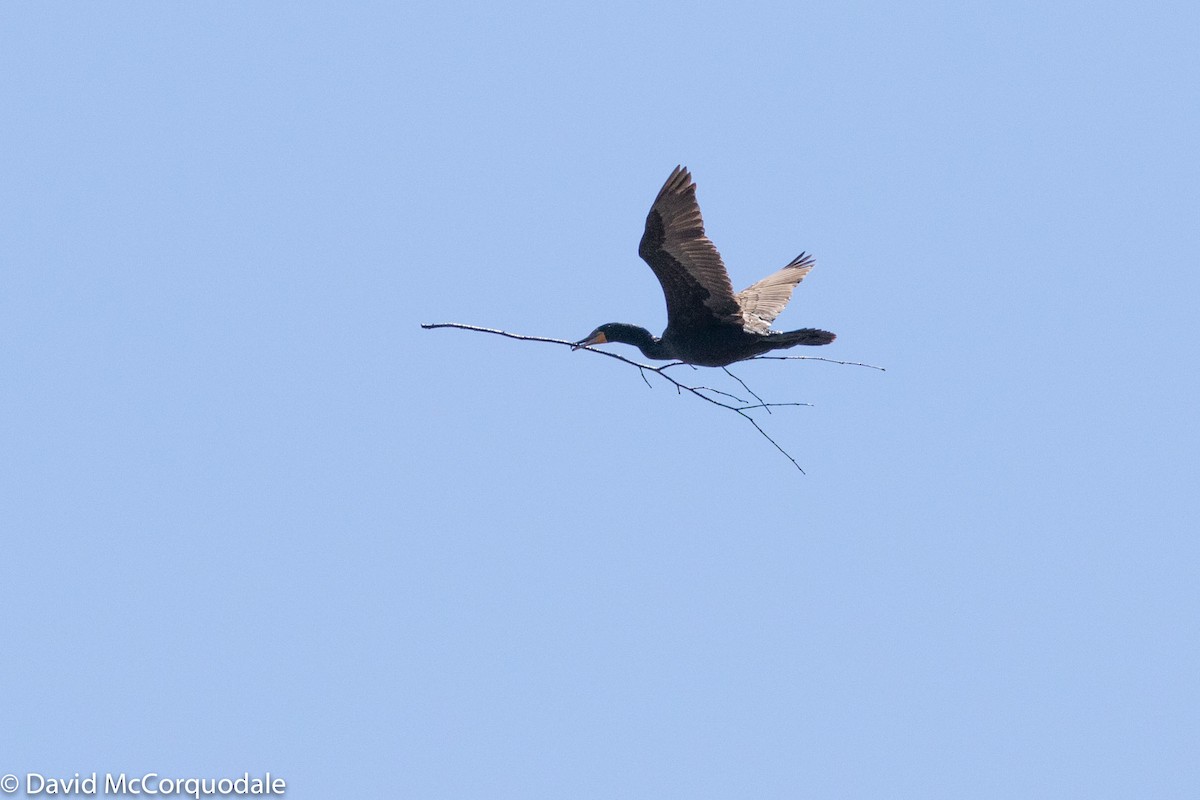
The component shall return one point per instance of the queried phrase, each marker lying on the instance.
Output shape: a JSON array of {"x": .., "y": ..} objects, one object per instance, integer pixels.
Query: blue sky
[{"x": 255, "y": 519}]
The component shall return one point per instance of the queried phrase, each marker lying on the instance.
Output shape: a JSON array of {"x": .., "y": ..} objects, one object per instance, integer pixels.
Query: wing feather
[
  {"x": 761, "y": 302},
  {"x": 695, "y": 282}
]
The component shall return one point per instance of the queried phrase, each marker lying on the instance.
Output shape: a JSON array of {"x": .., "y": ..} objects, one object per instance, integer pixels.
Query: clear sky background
[{"x": 254, "y": 518}]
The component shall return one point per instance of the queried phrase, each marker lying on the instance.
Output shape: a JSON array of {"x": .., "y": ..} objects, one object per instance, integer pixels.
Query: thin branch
[
  {"x": 678, "y": 364},
  {"x": 747, "y": 388},
  {"x": 723, "y": 394},
  {"x": 431, "y": 325},
  {"x": 815, "y": 358},
  {"x": 698, "y": 391},
  {"x": 776, "y": 405}
]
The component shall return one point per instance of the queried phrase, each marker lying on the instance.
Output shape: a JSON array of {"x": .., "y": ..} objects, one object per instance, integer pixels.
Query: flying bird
[{"x": 707, "y": 324}]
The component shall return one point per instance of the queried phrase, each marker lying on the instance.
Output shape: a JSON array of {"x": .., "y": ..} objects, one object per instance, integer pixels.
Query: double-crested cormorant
[{"x": 707, "y": 324}]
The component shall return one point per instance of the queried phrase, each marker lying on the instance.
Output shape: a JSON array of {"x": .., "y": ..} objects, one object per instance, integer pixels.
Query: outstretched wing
[
  {"x": 762, "y": 302},
  {"x": 685, "y": 261}
]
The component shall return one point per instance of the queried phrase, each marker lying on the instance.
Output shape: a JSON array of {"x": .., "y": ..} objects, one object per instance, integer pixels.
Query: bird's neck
[{"x": 650, "y": 345}]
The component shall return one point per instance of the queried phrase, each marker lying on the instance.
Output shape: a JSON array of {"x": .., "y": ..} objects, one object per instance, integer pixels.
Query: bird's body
[{"x": 707, "y": 324}]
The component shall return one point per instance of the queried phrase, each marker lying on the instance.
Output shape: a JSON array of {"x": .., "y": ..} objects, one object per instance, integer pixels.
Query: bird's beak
[{"x": 596, "y": 338}]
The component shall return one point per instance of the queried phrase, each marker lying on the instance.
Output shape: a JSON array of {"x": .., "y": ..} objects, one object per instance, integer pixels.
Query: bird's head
[{"x": 601, "y": 335}]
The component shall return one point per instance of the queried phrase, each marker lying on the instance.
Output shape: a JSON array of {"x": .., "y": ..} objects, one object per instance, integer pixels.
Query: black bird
[{"x": 707, "y": 324}]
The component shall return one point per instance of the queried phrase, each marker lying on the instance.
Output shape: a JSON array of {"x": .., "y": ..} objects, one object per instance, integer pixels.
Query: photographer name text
[{"x": 149, "y": 784}]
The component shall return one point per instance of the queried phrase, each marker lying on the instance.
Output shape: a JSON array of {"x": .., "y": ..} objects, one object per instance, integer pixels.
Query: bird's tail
[{"x": 809, "y": 336}]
